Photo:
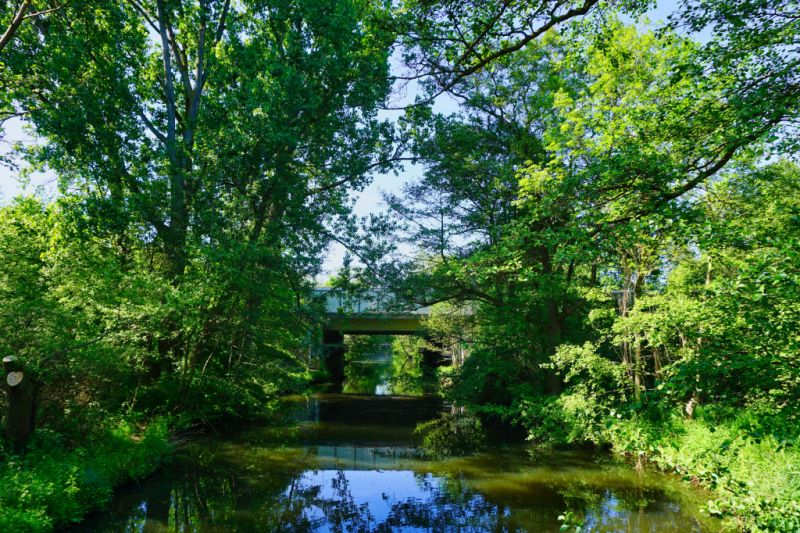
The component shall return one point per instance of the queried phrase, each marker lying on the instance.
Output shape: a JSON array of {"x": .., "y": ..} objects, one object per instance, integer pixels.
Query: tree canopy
[{"x": 607, "y": 215}]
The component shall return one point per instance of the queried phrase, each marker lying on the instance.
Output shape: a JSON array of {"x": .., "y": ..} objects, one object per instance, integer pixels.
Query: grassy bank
[
  {"x": 755, "y": 475},
  {"x": 51, "y": 485}
]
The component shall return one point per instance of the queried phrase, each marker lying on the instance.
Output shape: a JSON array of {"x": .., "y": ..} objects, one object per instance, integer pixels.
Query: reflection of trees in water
[
  {"x": 480, "y": 516},
  {"x": 246, "y": 487},
  {"x": 265, "y": 480},
  {"x": 342, "y": 513},
  {"x": 451, "y": 506},
  {"x": 293, "y": 501},
  {"x": 215, "y": 495},
  {"x": 387, "y": 365},
  {"x": 289, "y": 497},
  {"x": 293, "y": 516},
  {"x": 395, "y": 377},
  {"x": 364, "y": 377},
  {"x": 634, "y": 509},
  {"x": 442, "y": 509}
]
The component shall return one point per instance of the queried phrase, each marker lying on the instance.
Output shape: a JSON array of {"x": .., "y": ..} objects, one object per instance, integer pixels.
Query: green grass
[{"x": 50, "y": 486}]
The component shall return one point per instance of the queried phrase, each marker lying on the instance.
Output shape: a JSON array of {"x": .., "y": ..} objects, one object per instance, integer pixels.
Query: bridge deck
[{"x": 371, "y": 314}]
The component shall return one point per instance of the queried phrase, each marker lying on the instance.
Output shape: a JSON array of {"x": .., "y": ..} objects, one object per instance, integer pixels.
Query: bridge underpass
[{"x": 370, "y": 314}]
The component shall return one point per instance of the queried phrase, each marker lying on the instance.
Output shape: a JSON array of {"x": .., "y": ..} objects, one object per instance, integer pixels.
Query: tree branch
[
  {"x": 169, "y": 88},
  {"x": 221, "y": 25},
  {"x": 13, "y": 26}
]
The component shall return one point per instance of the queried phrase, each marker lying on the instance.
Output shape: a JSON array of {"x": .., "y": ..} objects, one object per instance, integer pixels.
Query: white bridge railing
[{"x": 371, "y": 302}]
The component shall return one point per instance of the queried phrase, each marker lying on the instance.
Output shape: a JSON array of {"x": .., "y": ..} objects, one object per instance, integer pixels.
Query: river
[{"x": 350, "y": 463}]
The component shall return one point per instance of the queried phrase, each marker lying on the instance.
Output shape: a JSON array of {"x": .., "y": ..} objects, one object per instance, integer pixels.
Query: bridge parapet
[
  {"x": 372, "y": 313},
  {"x": 372, "y": 302}
]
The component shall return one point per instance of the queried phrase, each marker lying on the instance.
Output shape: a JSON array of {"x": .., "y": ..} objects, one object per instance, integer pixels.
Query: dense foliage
[
  {"x": 609, "y": 224},
  {"x": 204, "y": 152},
  {"x": 619, "y": 212},
  {"x": 202, "y": 173},
  {"x": 52, "y": 486}
]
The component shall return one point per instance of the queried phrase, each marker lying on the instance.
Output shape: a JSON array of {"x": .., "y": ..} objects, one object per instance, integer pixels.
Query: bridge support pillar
[{"x": 334, "y": 350}]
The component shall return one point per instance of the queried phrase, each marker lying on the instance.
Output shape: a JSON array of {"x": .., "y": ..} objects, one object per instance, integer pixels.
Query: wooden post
[{"x": 21, "y": 393}]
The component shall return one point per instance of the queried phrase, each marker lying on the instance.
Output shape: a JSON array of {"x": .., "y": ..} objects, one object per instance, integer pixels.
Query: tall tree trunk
[
  {"x": 175, "y": 235},
  {"x": 555, "y": 329},
  {"x": 175, "y": 251},
  {"x": 637, "y": 367}
]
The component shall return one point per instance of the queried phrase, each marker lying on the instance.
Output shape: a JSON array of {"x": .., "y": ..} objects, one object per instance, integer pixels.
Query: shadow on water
[{"x": 350, "y": 463}]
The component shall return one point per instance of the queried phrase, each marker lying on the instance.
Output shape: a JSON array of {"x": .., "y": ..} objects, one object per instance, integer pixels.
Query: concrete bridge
[{"x": 372, "y": 313}]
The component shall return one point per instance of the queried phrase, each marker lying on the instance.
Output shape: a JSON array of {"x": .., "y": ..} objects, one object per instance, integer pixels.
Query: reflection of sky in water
[
  {"x": 386, "y": 500},
  {"x": 612, "y": 514},
  {"x": 375, "y": 492},
  {"x": 353, "y": 466}
]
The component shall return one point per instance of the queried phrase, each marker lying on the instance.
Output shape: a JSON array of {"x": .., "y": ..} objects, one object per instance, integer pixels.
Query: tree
[
  {"x": 13, "y": 17},
  {"x": 445, "y": 42},
  {"x": 721, "y": 326},
  {"x": 214, "y": 143},
  {"x": 753, "y": 41},
  {"x": 174, "y": 123},
  {"x": 603, "y": 146}
]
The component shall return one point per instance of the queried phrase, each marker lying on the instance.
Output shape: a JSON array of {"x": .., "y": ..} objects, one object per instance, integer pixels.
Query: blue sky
[{"x": 366, "y": 202}]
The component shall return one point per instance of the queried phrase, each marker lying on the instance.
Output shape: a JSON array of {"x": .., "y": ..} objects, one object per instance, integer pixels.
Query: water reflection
[
  {"x": 368, "y": 377},
  {"x": 387, "y": 377},
  {"x": 386, "y": 365},
  {"x": 351, "y": 465}
]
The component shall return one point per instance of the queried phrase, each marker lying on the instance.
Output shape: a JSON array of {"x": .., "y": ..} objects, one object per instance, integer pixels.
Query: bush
[
  {"x": 489, "y": 384},
  {"x": 50, "y": 486},
  {"x": 755, "y": 477}
]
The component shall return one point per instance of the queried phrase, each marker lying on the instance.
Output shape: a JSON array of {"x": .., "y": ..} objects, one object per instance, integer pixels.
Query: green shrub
[
  {"x": 50, "y": 486},
  {"x": 756, "y": 479}
]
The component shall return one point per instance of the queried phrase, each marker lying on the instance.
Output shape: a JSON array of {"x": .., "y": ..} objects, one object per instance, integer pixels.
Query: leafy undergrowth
[
  {"x": 755, "y": 475},
  {"x": 50, "y": 486}
]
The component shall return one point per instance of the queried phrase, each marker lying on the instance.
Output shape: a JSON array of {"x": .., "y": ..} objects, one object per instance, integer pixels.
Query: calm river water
[{"x": 349, "y": 463}]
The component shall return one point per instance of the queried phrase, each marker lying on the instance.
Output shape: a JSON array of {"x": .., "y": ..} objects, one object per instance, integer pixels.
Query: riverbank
[
  {"x": 754, "y": 475},
  {"x": 51, "y": 486}
]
